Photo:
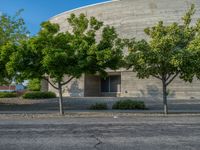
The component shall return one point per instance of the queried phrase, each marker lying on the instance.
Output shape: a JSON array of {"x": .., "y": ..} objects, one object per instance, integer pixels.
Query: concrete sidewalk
[{"x": 81, "y": 105}]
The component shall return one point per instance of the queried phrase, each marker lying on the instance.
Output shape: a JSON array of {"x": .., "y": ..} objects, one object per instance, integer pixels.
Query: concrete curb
[{"x": 93, "y": 115}]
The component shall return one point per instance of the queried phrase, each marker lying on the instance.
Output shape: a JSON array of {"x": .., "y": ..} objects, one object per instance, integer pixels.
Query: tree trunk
[
  {"x": 165, "y": 97},
  {"x": 60, "y": 99}
]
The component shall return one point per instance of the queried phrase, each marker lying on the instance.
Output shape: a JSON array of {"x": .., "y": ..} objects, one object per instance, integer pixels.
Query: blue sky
[{"x": 37, "y": 11}]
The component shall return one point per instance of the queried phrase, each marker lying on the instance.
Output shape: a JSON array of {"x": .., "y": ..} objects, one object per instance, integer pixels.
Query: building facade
[
  {"x": 130, "y": 18},
  {"x": 12, "y": 88}
]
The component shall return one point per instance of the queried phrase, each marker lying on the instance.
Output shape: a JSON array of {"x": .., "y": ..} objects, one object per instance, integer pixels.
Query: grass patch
[
  {"x": 7, "y": 95},
  {"x": 39, "y": 95},
  {"x": 99, "y": 106},
  {"x": 128, "y": 105}
]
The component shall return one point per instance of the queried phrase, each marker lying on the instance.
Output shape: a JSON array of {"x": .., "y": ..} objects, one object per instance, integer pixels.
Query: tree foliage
[
  {"x": 164, "y": 56},
  {"x": 34, "y": 85},
  {"x": 70, "y": 53},
  {"x": 192, "y": 68},
  {"x": 12, "y": 31}
]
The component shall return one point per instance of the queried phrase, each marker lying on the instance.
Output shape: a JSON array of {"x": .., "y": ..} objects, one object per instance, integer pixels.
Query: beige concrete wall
[
  {"x": 74, "y": 89},
  {"x": 131, "y": 17},
  {"x": 152, "y": 88},
  {"x": 44, "y": 85},
  {"x": 131, "y": 86}
]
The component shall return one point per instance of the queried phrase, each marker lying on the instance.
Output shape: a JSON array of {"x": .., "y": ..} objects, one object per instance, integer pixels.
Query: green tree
[
  {"x": 34, "y": 85},
  {"x": 164, "y": 55},
  {"x": 55, "y": 54},
  {"x": 12, "y": 30},
  {"x": 194, "y": 58}
]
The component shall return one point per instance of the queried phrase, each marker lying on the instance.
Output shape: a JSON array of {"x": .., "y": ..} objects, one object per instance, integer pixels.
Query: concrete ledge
[{"x": 94, "y": 114}]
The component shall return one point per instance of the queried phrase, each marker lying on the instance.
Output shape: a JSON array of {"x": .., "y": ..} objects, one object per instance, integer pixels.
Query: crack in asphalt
[{"x": 99, "y": 142}]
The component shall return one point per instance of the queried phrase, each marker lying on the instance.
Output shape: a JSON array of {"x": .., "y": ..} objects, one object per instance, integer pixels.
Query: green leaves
[
  {"x": 165, "y": 54},
  {"x": 79, "y": 24},
  {"x": 192, "y": 60},
  {"x": 188, "y": 16},
  {"x": 12, "y": 31},
  {"x": 34, "y": 85},
  {"x": 12, "y": 28},
  {"x": 70, "y": 53},
  {"x": 171, "y": 51}
]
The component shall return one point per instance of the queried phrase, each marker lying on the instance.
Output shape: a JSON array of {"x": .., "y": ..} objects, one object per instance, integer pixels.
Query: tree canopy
[
  {"x": 164, "y": 55},
  {"x": 192, "y": 61},
  {"x": 34, "y": 85},
  {"x": 55, "y": 54},
  {"x": 12, "y": 31}
]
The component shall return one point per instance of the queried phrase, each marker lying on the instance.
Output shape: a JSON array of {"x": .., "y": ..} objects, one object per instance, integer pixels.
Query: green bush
[
  {"x": 128, "y": 105},
  {"x": 7, "y": 95},
  {"x": 34, "y": 85},
  {"x": 39, "y": 95},
  {"x": 99, "y": 106}
]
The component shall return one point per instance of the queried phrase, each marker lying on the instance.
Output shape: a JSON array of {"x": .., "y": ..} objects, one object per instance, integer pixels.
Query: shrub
[
  {"x": 39, "y": 95},
  {"x": 7, "y": 95},
  {"x": 34, "y": 85},
  {"x": 99, "y": 106},
  {"x": 128, "y": 105}
]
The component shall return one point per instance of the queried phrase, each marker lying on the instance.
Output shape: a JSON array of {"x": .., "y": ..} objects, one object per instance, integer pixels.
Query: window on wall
[{"x": 111, "y": 84}]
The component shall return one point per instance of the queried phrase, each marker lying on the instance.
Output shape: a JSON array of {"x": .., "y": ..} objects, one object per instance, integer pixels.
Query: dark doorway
[{"x": 92, "y": 86}]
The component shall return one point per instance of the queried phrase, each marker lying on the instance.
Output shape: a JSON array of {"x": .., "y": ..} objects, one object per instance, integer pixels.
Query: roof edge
[{"x": 65, "y": 12}]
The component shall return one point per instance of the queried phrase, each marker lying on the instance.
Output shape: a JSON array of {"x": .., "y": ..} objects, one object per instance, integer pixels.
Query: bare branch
[
  {"x": 157, "y": 77},
  {"x": 67, "y": 81},
  {"x": 50, "y": 83},
  {"x": 172, "y": 78},
  {"x": 169, "y": 75}
]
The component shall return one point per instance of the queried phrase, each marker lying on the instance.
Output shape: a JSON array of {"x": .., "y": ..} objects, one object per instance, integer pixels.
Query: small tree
[
  {"x": 194, "y": 58},
  {"x": 164, "y": 55},
  {"x": 12, "y": 30},
  {"x": 73, "y": 53},
  {"x": 34, "y": 85}
]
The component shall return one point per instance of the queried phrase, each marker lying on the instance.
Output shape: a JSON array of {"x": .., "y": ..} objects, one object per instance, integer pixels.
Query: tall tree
[
  {"x": 194, "y": 58},
  {"x": 12, "y": 30},
  {"x": 56, "y": 54},
  {"x": 164, "y": 55}
]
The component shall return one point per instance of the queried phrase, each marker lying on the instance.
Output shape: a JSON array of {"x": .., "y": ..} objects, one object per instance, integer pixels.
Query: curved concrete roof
[{"x": 130, "y": 17}]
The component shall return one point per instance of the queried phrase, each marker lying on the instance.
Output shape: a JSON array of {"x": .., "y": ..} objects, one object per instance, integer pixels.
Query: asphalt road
[{"x": 133, "y": 133}]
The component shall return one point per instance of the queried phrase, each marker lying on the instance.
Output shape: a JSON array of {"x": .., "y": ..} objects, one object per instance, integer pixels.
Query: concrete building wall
[
  {"x": 131, "y": 86},
  {"x": 74, "y": 89},
  {"x": 44, "y": 85},
  {"x": 130, "y": 18},
  {"x": 152, "y": 88}
]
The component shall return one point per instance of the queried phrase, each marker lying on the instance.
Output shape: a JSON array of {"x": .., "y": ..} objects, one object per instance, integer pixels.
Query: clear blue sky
[{"x": 37, "y": 11}]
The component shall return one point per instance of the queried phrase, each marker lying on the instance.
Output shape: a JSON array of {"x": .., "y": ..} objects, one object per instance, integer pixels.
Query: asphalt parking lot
[{"x": 103, "y": 133}]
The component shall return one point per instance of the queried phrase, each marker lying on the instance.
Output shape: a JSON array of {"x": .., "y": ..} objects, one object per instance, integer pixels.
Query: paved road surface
[{"x": 133, "y": 133}]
